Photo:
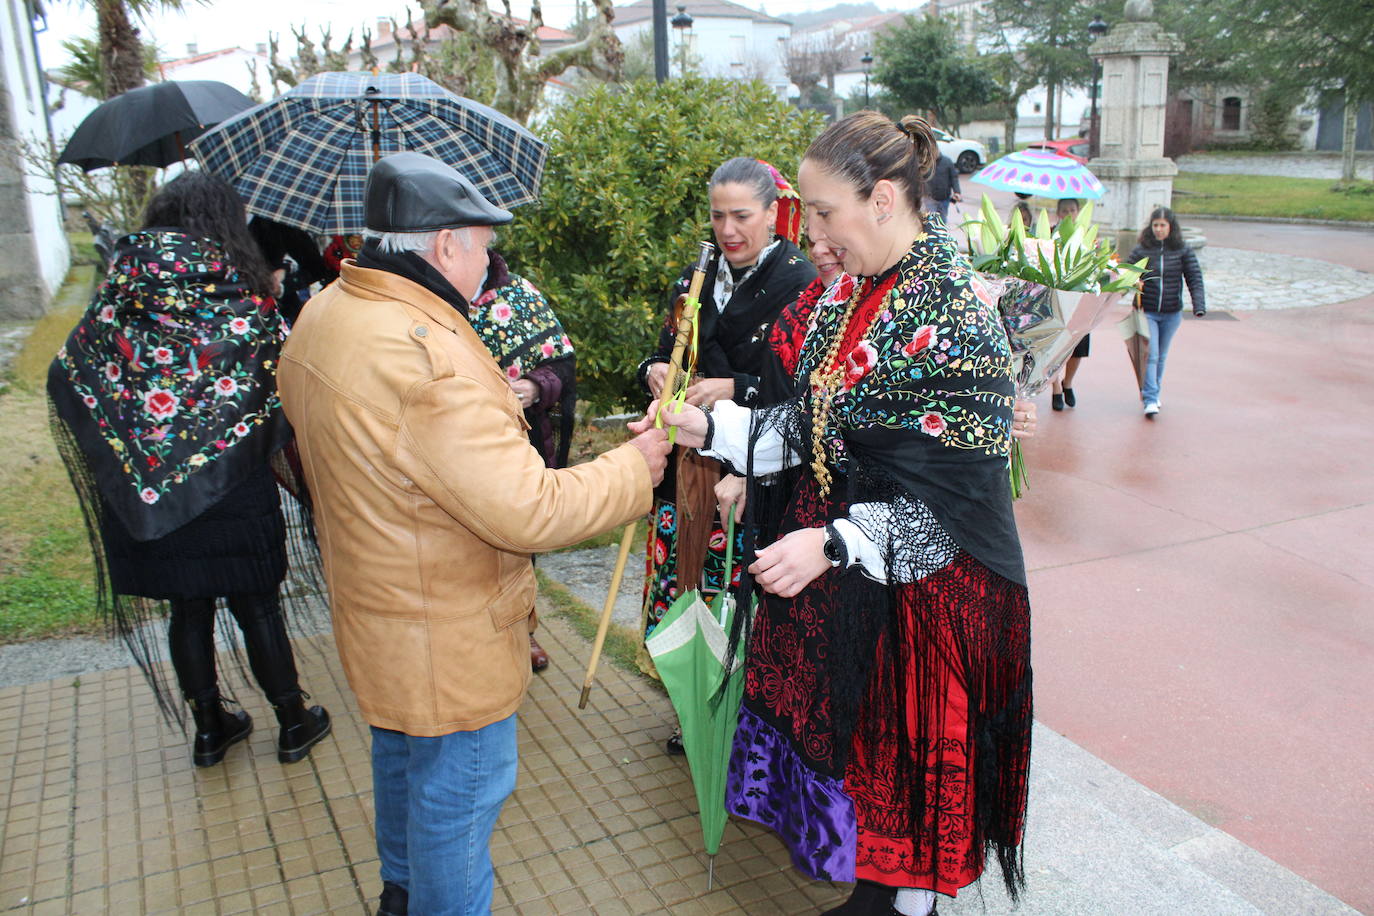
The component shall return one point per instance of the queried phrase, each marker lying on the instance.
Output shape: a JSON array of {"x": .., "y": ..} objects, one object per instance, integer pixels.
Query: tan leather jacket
[{"x": 429, "y": 501}]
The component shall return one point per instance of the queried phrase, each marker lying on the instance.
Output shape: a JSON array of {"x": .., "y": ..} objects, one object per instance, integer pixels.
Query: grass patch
[
  {"x": 46, "y": 576},
  {"x": 1273, "y": 196},
  {"x": 622, "y": 644}
]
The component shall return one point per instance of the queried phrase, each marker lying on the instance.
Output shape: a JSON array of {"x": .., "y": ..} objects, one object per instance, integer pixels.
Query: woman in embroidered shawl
[
  {"x": 165, "y": 411},
  {"x": 885, "y": 727},
  {"x": 756, "y": 218},
  {"x": 528, "y": 342}
]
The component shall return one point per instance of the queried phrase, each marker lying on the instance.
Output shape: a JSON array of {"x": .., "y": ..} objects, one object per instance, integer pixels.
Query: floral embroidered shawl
[{"x": 168, "y": 382}]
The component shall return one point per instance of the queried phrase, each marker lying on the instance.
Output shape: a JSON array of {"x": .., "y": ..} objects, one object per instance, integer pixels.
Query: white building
[
  {"x": 34, "y": 256},
  {"x": 726, "y": 39}
]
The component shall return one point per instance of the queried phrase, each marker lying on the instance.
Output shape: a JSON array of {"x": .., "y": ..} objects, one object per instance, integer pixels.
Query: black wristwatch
[{"x": 833, "y": 547}]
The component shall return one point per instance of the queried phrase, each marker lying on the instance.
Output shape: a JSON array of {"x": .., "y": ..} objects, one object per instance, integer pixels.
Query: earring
[{"x": 884, "y": 217}]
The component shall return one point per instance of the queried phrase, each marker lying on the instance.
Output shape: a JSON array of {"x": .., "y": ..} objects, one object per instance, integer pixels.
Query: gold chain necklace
[{"x": 825, "y": 385}]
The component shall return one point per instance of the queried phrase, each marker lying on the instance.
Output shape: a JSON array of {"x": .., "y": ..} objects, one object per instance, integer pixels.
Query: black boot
[
  {"x": 301, "y": 728},
  {"x": 216, "y": 729},
  {"x": 395, "y": 900},
  {"x": 869, "y": 899}
]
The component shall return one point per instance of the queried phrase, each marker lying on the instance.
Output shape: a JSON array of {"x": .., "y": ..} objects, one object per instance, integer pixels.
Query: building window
[
  {"x": 1230, "y": 113},
  {"x": 737, "y": 50}
]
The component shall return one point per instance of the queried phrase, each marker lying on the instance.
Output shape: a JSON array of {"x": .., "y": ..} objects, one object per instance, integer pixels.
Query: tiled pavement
[{"x": 104, "y": 813}]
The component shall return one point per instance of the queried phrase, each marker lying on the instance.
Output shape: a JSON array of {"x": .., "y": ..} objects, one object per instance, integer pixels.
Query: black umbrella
[{"x": 151, "y": 125}]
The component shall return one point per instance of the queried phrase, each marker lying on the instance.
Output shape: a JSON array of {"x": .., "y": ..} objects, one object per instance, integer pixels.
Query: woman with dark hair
[
  {"x": 885, "y": 727},
  {"x": 757, "y": 221},
  {"x": 165, "y": 411},
  {"x": 1171, "y": 264}
]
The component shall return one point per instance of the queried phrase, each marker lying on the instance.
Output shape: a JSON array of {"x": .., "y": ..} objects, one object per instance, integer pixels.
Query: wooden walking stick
[{"x": 686, "y": 333}]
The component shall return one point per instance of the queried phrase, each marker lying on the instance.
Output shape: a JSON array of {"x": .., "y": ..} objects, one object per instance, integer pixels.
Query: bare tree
[
  {"x": 815, "y": 58},
  {"x": 521, "y": 70}
]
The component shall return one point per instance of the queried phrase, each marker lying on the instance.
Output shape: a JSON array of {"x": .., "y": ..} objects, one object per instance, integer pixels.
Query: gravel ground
[
  {"x": 1239, "y": 280},
  {"x": 1286, "y": 165}
]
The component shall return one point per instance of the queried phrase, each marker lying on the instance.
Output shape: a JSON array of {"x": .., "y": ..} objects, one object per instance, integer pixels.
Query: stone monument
[{"x": 1135, "y": 86}]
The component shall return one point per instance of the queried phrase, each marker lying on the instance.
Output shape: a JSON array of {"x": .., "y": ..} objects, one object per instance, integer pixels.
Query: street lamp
[
  {"x": 683, "y": 23},
  {"x": 867, "y": 61},
  {"x": 1096, "y": 29}
]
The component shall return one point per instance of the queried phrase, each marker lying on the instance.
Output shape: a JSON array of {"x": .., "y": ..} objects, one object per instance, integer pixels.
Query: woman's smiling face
[
  {"x": 838, "y": 219},
  {"x": 827, "y": 260}
]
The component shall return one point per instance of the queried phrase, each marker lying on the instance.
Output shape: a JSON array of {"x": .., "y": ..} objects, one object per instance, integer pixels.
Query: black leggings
[{"x": 191, "y": 635}]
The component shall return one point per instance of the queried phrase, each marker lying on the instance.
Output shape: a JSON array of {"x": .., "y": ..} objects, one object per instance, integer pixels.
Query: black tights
[{"x": 191, "y": 634}]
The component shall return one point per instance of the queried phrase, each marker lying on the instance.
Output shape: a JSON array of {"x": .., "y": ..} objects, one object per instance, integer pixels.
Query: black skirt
[
  {"x": 1081, "y": 350},
  {"x": 237, "y": 546}
]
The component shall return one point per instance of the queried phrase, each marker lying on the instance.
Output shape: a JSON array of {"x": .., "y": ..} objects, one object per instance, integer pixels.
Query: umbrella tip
[{"x": 586, "y": 692}]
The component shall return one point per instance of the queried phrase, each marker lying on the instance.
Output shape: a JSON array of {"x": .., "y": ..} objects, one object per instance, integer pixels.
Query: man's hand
[
  {"x": 653, "y": 445},
  {"x": 956, "y": 197},
  {"x": 655, "y": 377},
  {"x": 730, "y": 494},
  {"x": 690, "y": 423},
  {"x": 1023, "y": 416},
  {"x": 791, "y": 564},
  {"x": 527, "y": 391},
  {"x": 705, "y": 392}
]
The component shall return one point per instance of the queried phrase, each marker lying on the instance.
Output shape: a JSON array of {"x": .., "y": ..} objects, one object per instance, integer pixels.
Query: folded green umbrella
[{"x": 688, "y": 647}]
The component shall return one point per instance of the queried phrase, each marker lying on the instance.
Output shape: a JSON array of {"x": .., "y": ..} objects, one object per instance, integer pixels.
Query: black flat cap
[{"x": 412, "y": 192}]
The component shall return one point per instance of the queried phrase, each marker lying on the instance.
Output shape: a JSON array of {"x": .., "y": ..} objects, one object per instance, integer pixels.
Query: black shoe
[
  {"x": 301, "y": 729},
  {"x": 869, "y": 899},
  {"x": 216, "y": 729},
  {"x": 674, "y": 743},
  {"x": 1069, "y": 399},
  {"x": 1056, "y": 402},
  {"x": 395, "y": 900}
]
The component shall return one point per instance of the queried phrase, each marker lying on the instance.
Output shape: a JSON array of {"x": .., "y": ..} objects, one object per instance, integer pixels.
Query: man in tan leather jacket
[{"x": 429, "y": 501}]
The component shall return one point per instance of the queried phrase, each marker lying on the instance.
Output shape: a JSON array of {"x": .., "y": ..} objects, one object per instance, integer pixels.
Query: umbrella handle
[{"x": 625, "y": 541}]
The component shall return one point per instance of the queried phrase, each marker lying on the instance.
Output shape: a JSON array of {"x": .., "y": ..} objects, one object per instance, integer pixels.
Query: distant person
[
  {"x": 166, "y": 414},
  {"x": 1062, "y": 389},
  {"x": 1171, "y": 264},
  {"x": 1022, "y": 210},
  {"x": 294, "y": 277},
  {"x": 942, "y": 187}
]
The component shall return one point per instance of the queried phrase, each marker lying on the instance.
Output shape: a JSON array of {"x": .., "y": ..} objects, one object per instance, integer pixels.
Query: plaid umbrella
[{"x": 303, "y": 158}]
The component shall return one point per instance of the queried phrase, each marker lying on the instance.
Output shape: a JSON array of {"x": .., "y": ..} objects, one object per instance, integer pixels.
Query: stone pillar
[{"x": 1135, "y": 85}]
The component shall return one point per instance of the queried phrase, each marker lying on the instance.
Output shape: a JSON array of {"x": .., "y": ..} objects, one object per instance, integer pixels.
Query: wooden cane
[
  {"x": 625, "y": 541},
  {"x": 684, "y": 336}
]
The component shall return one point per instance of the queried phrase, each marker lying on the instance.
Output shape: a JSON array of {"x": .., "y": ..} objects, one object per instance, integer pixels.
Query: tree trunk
[
  {"x": 1352, "y": 111},
  {"x": 1009, "y": 127},
  {"x": 1050, "y": 114},
  {"x": 121, "y": 52}
]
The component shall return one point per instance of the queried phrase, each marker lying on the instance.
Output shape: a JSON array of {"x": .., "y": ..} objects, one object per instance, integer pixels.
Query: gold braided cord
[{"x": 825, "y": 385}]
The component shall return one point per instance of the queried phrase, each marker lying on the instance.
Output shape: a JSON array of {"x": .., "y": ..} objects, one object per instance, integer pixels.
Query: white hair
[{"x": 422, "y": 243}]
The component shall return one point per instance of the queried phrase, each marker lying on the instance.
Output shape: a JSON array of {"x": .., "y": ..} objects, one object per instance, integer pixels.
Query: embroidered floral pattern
[
  {"x": 937, "y": 339},
  {"x": 168, "y": 359},
  {"x": 518, "y": 327}
]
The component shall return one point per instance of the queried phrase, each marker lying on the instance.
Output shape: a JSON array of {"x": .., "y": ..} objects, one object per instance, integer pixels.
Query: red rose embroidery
[
  {"x": 859, "y": 363},
  {"x": 932, "y": 424},
  {"x": 226, "y": 386},
  {"x": 162, "y": 355},
  {"x": 161, "y": 403},
  {"x": 923, "y": 338},
  {"x": 148, "y": 495},
  {"x": 113, "y": 372}
]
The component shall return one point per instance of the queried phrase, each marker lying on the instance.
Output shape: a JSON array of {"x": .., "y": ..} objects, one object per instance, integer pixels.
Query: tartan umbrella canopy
[{"x": 302, "y": 159}]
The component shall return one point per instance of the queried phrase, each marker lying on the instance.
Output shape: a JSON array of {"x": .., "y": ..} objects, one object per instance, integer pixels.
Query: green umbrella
[{"x": 688, "y": 647}]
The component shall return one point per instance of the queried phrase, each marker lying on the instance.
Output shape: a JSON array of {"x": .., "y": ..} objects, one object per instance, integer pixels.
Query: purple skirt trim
[{"x": 769, "y": 783}]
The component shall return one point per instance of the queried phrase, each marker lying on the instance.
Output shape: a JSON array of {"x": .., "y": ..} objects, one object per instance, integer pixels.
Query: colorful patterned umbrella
[
  {"x": 1042, "y": 173},
  {"x": 303, "y": 158}
]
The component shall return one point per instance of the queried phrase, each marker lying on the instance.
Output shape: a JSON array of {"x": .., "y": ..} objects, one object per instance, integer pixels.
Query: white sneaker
[{"x": 1151, "y": 409}]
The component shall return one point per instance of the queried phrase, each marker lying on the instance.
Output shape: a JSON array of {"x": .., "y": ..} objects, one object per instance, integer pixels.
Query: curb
[{"x": 1291, "y": 221}]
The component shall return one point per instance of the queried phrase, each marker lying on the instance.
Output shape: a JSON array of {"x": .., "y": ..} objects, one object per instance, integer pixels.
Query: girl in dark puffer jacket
[{"x": 1171, "y": 264}]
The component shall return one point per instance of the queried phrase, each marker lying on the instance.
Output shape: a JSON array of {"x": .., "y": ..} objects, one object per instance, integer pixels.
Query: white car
[{"x": 968, "y": 155}]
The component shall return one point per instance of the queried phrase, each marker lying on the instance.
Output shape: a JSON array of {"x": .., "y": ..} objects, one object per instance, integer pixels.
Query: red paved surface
[{"x": 1202, "y": 583}]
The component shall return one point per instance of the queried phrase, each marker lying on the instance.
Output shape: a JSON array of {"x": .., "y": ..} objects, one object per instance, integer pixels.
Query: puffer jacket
[
  {"x": 429, "y": 501},
  {"x": 1162, "y": 282}
]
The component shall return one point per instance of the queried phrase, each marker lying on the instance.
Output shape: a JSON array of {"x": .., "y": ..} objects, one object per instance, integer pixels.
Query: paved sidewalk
[{"x": 105, "y": 814}]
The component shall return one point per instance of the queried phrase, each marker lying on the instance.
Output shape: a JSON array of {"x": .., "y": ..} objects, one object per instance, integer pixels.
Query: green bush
[{"x": 624, "y": 204}]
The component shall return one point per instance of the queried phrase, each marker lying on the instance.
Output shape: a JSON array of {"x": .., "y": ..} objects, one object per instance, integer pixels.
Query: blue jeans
[
  {"x": 1162, "y": 328},
  {"x": 437, "y": 800}
]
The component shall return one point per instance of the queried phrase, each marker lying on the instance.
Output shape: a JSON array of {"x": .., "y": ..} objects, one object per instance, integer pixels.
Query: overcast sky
[{"x": 244, "y": 23}]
